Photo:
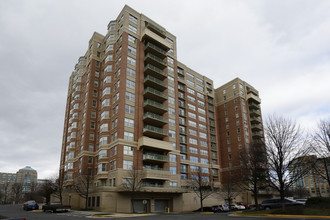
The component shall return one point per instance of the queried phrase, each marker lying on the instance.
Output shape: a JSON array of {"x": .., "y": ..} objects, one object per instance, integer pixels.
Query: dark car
[
  {"x": 30, "y": 205},
  {"x": 276, "y": 203}
]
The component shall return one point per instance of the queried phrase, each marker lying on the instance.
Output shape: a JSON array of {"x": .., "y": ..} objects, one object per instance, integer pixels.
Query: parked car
[
  {"x": 302, "y": 200},
  {"x": 276, "y": 203},
  {"x": 247, "y": 206},
  {"x": 220, "y": 208},
  {"x": 30, "y": 205},
  {"x": 236, "y": 207},
  {"x": 56, "y": 207}
]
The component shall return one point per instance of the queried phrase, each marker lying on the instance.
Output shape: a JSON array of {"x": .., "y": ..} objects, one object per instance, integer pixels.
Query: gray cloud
[{"x": 279, "y": 47}]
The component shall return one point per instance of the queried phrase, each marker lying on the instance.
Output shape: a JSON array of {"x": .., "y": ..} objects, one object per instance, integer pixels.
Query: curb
[
  {"x": 117, "y": 216},
  {"x": 286, "y": 216}
]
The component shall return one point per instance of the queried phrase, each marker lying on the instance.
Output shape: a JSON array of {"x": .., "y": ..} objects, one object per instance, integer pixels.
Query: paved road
[{"x": 17, "y": 211}]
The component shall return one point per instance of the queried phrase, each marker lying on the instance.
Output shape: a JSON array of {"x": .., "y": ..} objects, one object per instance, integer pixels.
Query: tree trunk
[
  {"x": 201, "y": 199},
  {"x": 256, "y": 200}
]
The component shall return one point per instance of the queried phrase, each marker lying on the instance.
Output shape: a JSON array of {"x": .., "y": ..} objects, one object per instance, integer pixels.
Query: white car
[{"x": 237, "y": 207}]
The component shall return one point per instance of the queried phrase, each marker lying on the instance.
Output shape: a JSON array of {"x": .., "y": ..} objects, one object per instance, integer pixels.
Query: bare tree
[
  {"x": 201, "y": 185},
  {"x": 285, "y": 143},
  {"x": 5, "y": 192},
  {"x": 132, "y": 184},
  {"x": 16, "y": 191},
  {"x": 82, "y": 186},
  {"x": 230, "y": 185},
  {"x": 46, "y": 189},
  {"x": 59, "y": 188},
  {"x": 321, "y": 146},
  {"x": 254, "y": 171}
]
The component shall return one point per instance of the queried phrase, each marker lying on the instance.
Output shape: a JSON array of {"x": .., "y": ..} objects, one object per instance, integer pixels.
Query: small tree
[
  {"x": 254, "y": 171},
  {"x": 284, "y": 144},
  {"x": 230, "y": 183},
  {"x": 59, "y": 188},
  {"x": 82, "y": 186},
  {"x": 132, "y": 184},
  {"x": 16, "y": 191},
  {"x": 201, "y": 185},
  {"x": 46, "y": 189}
]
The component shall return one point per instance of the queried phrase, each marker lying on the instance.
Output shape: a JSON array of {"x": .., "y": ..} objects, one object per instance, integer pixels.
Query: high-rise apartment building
[{"x": 132, "y": 105}]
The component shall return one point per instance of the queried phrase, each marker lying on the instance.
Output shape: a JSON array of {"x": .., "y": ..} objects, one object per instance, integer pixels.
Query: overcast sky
[{"x": 280, "y": 47}]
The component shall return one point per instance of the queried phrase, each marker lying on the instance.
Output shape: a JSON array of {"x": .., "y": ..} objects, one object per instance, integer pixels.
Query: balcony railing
[
  {"x": 153, "y": 131},
  {"x": 149, "y": 47},
  {"x": 153, "y": 156},
  {"x": 152, "y": 81},
  {"x": 150, "y": 105},
  {"x": 155, "y": 94},
  {"x": 150, "y": 58},
  {"x": 155, "y": 119},
  {"x": 154, "y": 71},
  {"x": 251, "y": 90},
  {"x": 156, "y": 29}
]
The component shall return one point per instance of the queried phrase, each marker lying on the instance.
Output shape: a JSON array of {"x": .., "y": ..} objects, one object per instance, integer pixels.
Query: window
[
  {"x": 202, "y": 127},
  {"x": 129, "y": 109},
  {"x": 192, "y": 132},
  {"x": 201, "y": 118},
  {"x": 203, "y": 143},
  {"x": 130, "y": 72},
  {"x": 109, "y": 47},
  {"x": 202, "y": 135},
  {"x": 200, "y": 88},
  {"x": 132, "y": 28},
  {"x": 204, "y": 160},
  {"x": 172, "y": 170},
  {"x": 191, "y": 115},
  {"x": 102, "y": 154},
  {"x": 190, "y": 83},
  {"x": 111, "y": 37},
  {"x": 170, "y": 60},
  {"x": 170, "y": 89},
  {"x": 170, "y": 70},
  {"x": 108, "y": 58},
  {"x": 191, "y": 107},
  {"x": 91, "y": 136},
  {"x": 129, "y": 122},
  {"x": 172, "y": 157},
  {"x": 107, "y": 79},
  {"x": 171, "y": 133},
  {"x": 106, "y": 91},
  {"x": 192, "y": 123},
  {"x": 171, "y": 100},
  {"x": 193, "y": 159},
  {"x": 201, "y": 103},
  {"x": 170, "y": 79},
  {"x": 193, "y": 150},
  {"x": 128, "y": 150},
  {"x": 200, "y": 81},
  {"x": 171, "y": 111},
  {"x": 106, "y": 102},
  {"x": 191, "y": 91},
  {"x": 132, "y": 19},
  {"x": 205, "y": 170},
  {"x": 128, "y": 136},
  {"x": 104, "y": 127},
  {"x": 204, "y": 152},
  {"x": 171, "y": 122},
  {"x": 199, "y": 95},
  {"x": 130, "y": 84},
  {"x": 131, "y": 61},
  {"x": 130, "y": 96},
  {"x": 127, "y": 164},
  {"x": 105, "y": 115},
  {"x": 101, "y": 167},
  {"x": 194, "y": 168},
  {"x": 131, "y": 50},
  {"x": 93, "y": 115},
  {"x": 131, "y": 39},
  {"x": 202, "y": 111},
  {"x": 193, "y": 141},
  {"x": 103, "y": 140}
]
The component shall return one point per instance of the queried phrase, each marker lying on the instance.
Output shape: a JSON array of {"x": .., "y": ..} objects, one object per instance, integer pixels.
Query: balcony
[
  {"x": 255, "y": 120},
  {"x": 252, "y": 90},
  {"x": 181, "y": 87},
  {"x": 183, "y": 150},
  {"x": 154, "y": 119},
  {"x": 184, "y": 132},
  {"x": 161, "y": 32},
  {"x": 155, "y": 174},
  {"x": 253, "y": 105},
  {"x": 214, "y": 157},
  {"x": 155, "y": 72},
  {"x": 181, "y": 96},
  {"x": 213, "y": 148},
  {"x": 154, "y": 60},
  {"x": 156, "y": 107},
  {"x": 212, "y": 123},
  {"x": 181, "y": 122},
  {"x": 154, "y": 94},
  {"x": 257, "y": 134},
  {"x": 254, "y": 113},
  {"x": 251, "y": 96},
  {"x": 182, "y": 114},
  {"x": 182, "y": 105},
  {"x": 154, "y": 143},
  {"x": 212, "y": 132},
  {"x": 154, "y": 132},
  {"x": 155, "y": 157},
  {"x": 154, "y": 82},
  {"x": 149, "y": 47},
  {"x": 256, "y": 127}
]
